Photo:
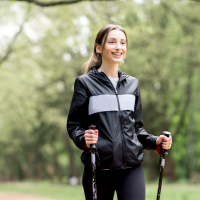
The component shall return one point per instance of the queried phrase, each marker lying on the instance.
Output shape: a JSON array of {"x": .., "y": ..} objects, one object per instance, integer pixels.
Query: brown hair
[{"x": 101, "y": 37}]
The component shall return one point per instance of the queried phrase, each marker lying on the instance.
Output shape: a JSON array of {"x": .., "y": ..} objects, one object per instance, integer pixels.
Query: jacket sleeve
[
  {"x": 78, "y": 115},
  {"x": 147, "y": 140}
]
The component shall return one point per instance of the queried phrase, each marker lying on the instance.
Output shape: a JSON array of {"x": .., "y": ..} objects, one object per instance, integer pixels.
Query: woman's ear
[{"x": 98, "y": 48}]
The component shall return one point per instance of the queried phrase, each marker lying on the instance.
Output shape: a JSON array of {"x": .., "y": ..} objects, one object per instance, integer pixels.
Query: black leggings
[{"x": 129, "y": 183}]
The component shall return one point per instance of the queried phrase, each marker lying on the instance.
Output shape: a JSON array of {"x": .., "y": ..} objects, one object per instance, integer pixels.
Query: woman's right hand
[{"x": 91, "y": 137}]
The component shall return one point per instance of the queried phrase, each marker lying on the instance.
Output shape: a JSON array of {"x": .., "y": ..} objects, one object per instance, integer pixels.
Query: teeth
[{"x": 118, "y": 54}]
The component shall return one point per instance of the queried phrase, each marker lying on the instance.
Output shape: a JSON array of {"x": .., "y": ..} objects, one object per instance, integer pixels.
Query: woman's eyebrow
[{"x": 115, "y": 39}]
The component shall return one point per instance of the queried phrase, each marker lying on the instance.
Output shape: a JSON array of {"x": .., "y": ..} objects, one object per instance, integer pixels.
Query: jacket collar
[{"x": 101, "y": 75}]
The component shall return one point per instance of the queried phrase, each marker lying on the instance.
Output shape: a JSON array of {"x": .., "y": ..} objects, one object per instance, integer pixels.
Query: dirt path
[{"x": 18, "y": 196}]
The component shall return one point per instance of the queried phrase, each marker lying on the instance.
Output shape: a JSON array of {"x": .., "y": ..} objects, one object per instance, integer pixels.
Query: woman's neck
[{"x": 111, "y": 70}]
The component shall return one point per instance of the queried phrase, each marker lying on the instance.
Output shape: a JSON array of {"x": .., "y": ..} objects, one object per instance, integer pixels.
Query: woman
[{"x": 110, "y": 100}]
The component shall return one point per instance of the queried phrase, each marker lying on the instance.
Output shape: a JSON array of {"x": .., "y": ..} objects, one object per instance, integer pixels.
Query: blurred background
[{"x": 42, "y": 50}]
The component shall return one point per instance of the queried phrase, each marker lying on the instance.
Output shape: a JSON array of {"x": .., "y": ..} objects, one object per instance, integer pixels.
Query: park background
[{"x": 42, "y": 50}]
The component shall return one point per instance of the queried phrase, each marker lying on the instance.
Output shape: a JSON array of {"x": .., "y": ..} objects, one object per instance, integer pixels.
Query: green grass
[{"x": 175, "y": 191}]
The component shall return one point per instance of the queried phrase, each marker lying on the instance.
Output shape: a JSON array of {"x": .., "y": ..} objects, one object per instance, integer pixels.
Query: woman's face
[{"x": 115, "y": 48}]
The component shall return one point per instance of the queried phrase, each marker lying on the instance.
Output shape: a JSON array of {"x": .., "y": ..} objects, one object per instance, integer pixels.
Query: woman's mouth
[{"x": 117, "y": 54}]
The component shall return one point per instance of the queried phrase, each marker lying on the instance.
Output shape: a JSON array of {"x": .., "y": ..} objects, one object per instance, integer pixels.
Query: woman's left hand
[{"x": 166, "y": 141}]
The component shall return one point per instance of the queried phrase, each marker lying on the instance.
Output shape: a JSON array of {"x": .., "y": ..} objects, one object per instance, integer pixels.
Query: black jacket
[{"x": 117, "y": 114}]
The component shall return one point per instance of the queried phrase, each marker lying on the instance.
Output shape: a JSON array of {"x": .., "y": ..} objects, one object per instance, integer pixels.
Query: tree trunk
[
  {"x": 57, "y": 165},
  {"x": 169, "y": 171},
  {"x": 72, "y": 168}
]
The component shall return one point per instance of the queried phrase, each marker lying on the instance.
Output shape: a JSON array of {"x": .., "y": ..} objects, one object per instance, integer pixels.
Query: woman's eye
[{"x": 122, "y": 43}]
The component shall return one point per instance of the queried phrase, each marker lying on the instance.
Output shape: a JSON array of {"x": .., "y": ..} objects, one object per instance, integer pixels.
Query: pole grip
[
  {"x": 93, "y": 127},
  {"x": 164, "y": 151}
]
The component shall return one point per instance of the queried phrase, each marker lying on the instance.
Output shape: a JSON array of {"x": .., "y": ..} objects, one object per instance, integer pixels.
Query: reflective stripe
[
  {"x": 127, "y": 102},
  {"x": 103, "y": 103}
]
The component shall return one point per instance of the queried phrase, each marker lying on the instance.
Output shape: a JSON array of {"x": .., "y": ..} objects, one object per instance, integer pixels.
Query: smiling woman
[
  {"x": 110, "y": 99},
  {"x": 109, "y": 38},
  {"x": 113, "y": 52}
]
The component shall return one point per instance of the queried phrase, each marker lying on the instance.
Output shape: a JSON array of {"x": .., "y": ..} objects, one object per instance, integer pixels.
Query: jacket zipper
[
  {"x": 121, "y": 127},
  {"x": 116, "y": 93}
]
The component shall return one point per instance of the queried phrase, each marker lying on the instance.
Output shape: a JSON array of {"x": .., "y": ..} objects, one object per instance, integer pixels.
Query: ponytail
[{"x": 94, "y": 60}]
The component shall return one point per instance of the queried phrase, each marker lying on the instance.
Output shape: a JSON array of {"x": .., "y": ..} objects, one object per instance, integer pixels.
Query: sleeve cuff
[
  {"x": 85, "y": 149},
  {"x": 155, "y": 138},
  {"x": 158, "y": 149}
]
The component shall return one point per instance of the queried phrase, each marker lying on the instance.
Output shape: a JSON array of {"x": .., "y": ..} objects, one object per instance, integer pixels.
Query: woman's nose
[{"x": 118, "y": 45}]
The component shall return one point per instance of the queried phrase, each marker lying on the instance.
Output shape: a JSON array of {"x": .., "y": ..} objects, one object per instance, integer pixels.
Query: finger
[
  {"x": 91, "y": 135},
  {"x": 91, "y": 142},
  {"x": 169, "y": 138},
  {"x": 161, "y": 138},
  {"x": 166, "y": 139},
  {"x": 87, "y": 139},
  {"x": 94, "y": 132},
  {"x": 90, "y": 131},
  {"x": 166, "y": 147},
  {"x": 91, "y": 139},
  {"x": 167, "y": 143}
]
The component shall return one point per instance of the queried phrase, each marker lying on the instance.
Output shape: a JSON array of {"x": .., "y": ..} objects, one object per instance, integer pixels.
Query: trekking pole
[
  {"x": 93, "y": 150},
  {"x": 164, "y": 153}
]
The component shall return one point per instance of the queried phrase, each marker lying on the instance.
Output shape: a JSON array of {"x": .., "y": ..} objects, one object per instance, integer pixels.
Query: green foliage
[{"x": 37, "y": 80}]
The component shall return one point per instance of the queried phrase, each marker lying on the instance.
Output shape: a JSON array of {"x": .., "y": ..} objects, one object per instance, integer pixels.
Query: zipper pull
[{"x": 116, "y": 91}]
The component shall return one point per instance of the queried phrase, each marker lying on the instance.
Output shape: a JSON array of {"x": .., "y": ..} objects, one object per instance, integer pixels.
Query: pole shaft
[
  {"x": 94, "y": 185},
  {"x": 160, "y": 183},
  {"x": 93, "y": 166},
  {"x": 164, "y": 153}
]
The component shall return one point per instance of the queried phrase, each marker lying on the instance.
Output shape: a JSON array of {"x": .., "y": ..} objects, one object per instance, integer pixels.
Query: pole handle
[
  {"x": 166, "y": 133},
  {"x": 93, "y": 127},
  {"x": 164, "y": 151}
]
